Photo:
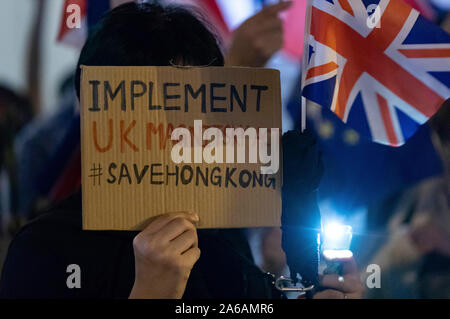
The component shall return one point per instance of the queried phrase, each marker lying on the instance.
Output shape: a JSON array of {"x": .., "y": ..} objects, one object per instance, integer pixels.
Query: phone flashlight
[{"x": 337, "y": 238}]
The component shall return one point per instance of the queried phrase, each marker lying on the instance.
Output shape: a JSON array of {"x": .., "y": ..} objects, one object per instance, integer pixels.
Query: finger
[
  {"x": 185, "y": 241},
  {"x": 191, "y": 256},
  {"x": 163, "y": 220},
  {"x": 174, "y": 229},
  {"x": 275, "y": 8},
  {"x": 342, "y": 283},
  {"x": 271, "y": 43},
  {"x": 329, "y": 294},
  {"x": 348, "y": 266},
  {"x": 268, "y": 25},
  {"x": 423, "y": 238}
]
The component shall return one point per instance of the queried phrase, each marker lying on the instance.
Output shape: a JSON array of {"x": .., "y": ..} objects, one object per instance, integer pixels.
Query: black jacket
[{"x": 38, "y": 257}]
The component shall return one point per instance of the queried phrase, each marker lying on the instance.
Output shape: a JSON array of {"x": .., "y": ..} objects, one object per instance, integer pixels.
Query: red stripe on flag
[
  {"x": 321, "y": 69},
  {"x": 426, "y": 53},
  {"x": 64, "y": 29},
  {"x": 387, "y": 120},
  {"x": 346, "y": 6},
  {"x": 371, "y": 58}
]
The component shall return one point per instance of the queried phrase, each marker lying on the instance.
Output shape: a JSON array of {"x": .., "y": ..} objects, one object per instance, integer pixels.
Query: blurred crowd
[{"x": 406, "y": 231}]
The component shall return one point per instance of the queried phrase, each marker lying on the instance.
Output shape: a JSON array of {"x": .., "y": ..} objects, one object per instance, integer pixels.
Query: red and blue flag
[{"x": 378, "y": 65}]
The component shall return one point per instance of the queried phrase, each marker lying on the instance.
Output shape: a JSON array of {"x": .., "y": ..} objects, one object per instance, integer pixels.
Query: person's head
[{"x": 147, "y": 34}]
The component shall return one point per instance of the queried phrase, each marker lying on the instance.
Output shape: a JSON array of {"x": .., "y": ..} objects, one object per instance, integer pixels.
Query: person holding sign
[{"x": 52, "y": 257}]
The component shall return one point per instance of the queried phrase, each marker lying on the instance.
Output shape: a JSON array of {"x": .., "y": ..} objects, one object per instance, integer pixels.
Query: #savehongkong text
[{"x": 190, "y": 147}]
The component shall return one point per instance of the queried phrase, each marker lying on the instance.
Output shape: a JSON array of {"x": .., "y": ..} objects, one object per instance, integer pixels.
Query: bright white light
[
  {"x": 337, "y": 236},
  {"x": 334, "y": 231},
  {"x": 337, "y": 254}
]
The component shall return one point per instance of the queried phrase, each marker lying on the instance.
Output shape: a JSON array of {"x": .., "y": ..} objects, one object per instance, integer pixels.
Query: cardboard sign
[{"x": 128, "y": 175}]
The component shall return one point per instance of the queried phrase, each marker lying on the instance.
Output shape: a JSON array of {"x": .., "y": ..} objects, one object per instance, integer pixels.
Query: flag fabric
[
  {"x": 384, "y": 77},
  {"x": 358, "y": 171},
  {"x": 92, "y": 10},
  {"x": 293, "y": 29},
  {"x": 424, "y": 7},
  {"x": 73, "y": 36}
]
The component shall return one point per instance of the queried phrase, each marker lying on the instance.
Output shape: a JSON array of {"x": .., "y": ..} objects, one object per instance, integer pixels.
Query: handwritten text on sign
[{"x": 129, "y": 115}]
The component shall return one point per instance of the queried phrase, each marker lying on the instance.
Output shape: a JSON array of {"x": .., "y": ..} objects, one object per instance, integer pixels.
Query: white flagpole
[
  {"x": 305, "y": 61},
  {"x": 303, "y": 114}
]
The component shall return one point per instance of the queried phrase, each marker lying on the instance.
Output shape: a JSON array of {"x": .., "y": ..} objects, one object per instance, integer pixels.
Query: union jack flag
[{"x": 378, "y": 65}]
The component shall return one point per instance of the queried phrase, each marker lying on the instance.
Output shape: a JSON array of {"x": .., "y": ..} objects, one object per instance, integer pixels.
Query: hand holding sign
[{"x": 165, "y": 252}]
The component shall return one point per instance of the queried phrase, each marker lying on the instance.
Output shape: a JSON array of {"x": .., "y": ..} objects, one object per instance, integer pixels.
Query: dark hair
[{"x": 149, "y": 34}]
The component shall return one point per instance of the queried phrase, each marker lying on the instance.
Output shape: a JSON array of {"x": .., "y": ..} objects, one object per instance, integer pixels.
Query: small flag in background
[
  {"x": 68, "y": 32},
  {"x": 384, "y": 78},
  {"x": 88, "y": 12}
]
